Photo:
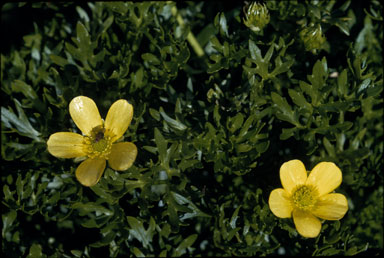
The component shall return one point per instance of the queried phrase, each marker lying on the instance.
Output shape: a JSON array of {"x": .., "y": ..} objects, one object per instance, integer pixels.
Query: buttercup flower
[
  {"x": 98, "y": 142},
  {"x": 308, "y": 198}
]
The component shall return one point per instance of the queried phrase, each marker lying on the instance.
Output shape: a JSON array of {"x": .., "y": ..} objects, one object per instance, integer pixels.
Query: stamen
[
  {"x": 98, "y": 144},
  {"x": 304, "y": 197}
]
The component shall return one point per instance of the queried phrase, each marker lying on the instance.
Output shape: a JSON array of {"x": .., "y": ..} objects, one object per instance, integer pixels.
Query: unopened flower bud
[
  {"x": 256, "y": 17},
  {"x": 313, "y": 38}
]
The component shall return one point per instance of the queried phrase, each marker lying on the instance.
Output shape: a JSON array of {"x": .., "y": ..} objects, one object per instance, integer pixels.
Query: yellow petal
[
  {"x": 66, "y": 145},
  {"x": 292, "y": 174},
  {"x": 325, "y": 176},
  {"x": 280, "y": 204},
  {"x": 122, "y": 156},
  {"x": 85, "y": 114},
  {"x": 119, "y": 118},
  {"x": 331, "y": 206},
  {"x": 89, "y": 171},
  {"x": 306, "y": 224}
]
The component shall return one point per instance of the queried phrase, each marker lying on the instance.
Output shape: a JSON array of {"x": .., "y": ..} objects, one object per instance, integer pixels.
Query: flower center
[
  {"x": 98, "y": 144},
  {"x": 304, "y": 197}
]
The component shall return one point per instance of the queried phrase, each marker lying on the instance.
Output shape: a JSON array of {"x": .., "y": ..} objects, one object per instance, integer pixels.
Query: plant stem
[{"x": 190, "y": 37}]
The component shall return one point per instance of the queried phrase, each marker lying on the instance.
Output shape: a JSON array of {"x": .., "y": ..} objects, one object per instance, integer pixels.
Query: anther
[
  {"x": 304, "y": 197},
  {"x": 98, "y": 143}
]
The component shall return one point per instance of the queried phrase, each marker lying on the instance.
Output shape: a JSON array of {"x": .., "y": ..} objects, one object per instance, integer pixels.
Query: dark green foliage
[{"x": 212, "y": 130}]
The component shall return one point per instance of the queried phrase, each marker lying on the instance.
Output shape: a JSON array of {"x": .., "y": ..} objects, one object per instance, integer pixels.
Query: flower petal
[
  {"x": 122, "y": 156},
  {"x": 89, "y": 171},
  {"x": 331, "y": 206},
  {"x": 306, "y": 224},
  {"x": 66, "y": 145},
  {"x": 292, "y": 174},
  {"x": 280, "y": 204},
  {"x": 325, "y": 176},
  {"x": 85, "y": 114},
  {"x": 119, "y": 118}
]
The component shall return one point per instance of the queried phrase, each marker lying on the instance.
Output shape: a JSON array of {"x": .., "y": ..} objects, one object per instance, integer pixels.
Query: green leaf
[
  {"x": 138, "y": 78},
  {"x": 186, "y": 243},
  {"x": 150, "y": 58},
  {"x": 223, "y": 24},
  {"x": 287, "y": 133},
  {"x": 184, "y": 163},
  {"x": 83, "y": 14},
  {"x": 8, "y": 220},
  {"x": 60, "y": 61},
  {"x": 54, "y": 199},
  {"x": 205, "y": 34},
  {"x": 234, "y": 123},
  {"x": 285, "y": 109},
  {"x": 137, "y": 252},
  {"x": 76, "y": 253},
  {"x": 163, "y": 253},
  {"x": 329, "y": 147},
  {"x": 161, "y": 144},
  {"x": 319, "y": 74},
  {"x": 119, "y": 7},
  {"x": 220, "y": 63},
  {"x": 175, "y": 124},
  {"x": 343, "y": 27},
  {"x": 85, "y": 208},
  {"x": 183, "y": 55},
  {"x": 375, "y": 89},
  {"x": 19, "y": 187},
  {"x": 22, "y": 124},
  {"x": 106, "y": 24},
  {"x": 262, "y": 146},
  {"x": 310, "y": 90},
  {"x": 246, "y": 126},
  {"x": 193, "y": 210},
  {"x": 342, "y": 127},
  {"x": 8, "y": 195},
  {"x": 342, "y": 83},
  {"x": 155, "y": 114},
  {"x": 137, "y": 230},
  {"x": 83, "y": 37},
  {"x": 234, "y": 218},
  {"x": 268, "y": 55},
  {"x": 216, "y": 115},
  {"x": 281, "y": 103},
  {"x": 27, "y": 90},
  {"x": 243, "y": 147},
  {"x": 216, "y": 44},
  {"x": 363, "y": 86},
  {"x": 281, "y": 67},
  {"x": 84, "y": 50},
  {"x": 169, "y": 154},
  {"x": 254, "y": 50},
  {"x": 299, "y": 99},
  {"x": 36, "y": 251},
  {"x": 261, "y": 63}
]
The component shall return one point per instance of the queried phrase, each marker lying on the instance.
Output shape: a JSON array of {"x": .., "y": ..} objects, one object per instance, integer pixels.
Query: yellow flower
[
  {"x": 98, "y": 142},
  {"x": 308, "y": 198}
]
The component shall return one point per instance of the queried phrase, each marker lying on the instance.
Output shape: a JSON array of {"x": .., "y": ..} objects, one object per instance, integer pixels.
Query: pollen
[
  {"x": 98, "y": 144},
  {"x": 304, "y": 197}
]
